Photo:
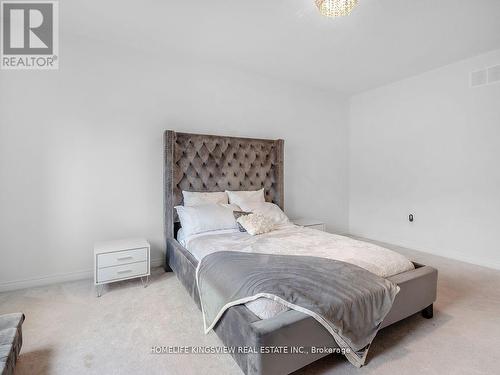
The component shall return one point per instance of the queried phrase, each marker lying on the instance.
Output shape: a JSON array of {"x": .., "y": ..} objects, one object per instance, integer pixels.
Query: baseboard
[
  {"x": 57, "y": 278},
  {"x": 488, "y": 263},
  {"x": 157, "y": 262},
  {"x": 46, "y": 280}
]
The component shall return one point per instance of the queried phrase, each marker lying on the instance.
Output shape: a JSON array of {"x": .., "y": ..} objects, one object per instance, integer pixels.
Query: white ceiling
[{"x": 380, "y": 42}]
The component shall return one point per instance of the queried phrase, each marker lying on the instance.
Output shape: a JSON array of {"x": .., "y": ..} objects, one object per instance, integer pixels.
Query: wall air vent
[
  {"x": 485, "y": 77},
  {"x": 494, "y": 74},
  {"x": 479, "y": 78}
]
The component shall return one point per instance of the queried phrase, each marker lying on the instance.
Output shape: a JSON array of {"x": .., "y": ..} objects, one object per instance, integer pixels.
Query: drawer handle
[
  {"x": 124, "y": 271},
  {"x": 125, "y": 258}
]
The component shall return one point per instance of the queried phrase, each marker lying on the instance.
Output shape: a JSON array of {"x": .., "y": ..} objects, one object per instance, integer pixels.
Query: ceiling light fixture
[{"x": 335, "y": 8}]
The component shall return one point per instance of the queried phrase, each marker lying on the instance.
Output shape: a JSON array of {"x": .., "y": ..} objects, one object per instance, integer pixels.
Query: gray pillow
[{"x": 238, "y": 214}]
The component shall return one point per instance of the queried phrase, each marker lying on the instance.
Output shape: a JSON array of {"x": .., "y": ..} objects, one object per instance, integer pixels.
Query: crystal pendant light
[{"x": 335, "y": 8}]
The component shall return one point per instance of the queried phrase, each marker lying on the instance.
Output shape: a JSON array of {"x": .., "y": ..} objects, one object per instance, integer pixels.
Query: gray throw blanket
[{"x": 347, "y": 300}]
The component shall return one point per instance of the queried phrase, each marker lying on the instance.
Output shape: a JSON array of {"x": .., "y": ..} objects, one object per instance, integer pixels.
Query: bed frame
[{"x": 196, "y": 162}]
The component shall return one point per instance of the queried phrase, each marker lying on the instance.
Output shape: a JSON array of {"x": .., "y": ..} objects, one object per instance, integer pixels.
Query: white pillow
[
  {"x": 238, "y": 197},
  {"x": 205, "y": 218},
  {"x": 269, "y": 210},
  {"x": 181, "y": 236},
  {"x": 192, "y": 198},
  {"x": 256, "y": 224}
]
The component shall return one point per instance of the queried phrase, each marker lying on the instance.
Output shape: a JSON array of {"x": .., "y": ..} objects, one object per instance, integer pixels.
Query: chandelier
[{"x": 335, "y": 8}]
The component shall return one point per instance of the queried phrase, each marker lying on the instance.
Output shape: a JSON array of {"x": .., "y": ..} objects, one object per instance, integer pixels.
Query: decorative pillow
[
  {"x": 205, "y": 218},
  {"x": 269, "y": 210},
  {"x": 192, "y": 198},
  {"x": 256, "y": 224},
  {"x": 237, "y": 215},
  {"x": 238, "y": 197}
]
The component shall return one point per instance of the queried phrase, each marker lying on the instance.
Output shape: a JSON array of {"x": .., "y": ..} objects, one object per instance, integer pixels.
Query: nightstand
[
  {"x": 310, "y": 223},
  {"x": 121, "y": 260}
]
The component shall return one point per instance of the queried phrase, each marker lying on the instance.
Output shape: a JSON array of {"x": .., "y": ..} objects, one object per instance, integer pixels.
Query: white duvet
[{"x": 295, "y": 240}]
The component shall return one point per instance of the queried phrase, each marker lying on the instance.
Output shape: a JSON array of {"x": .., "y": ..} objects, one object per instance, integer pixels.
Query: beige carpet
[{"x": 70, "y": 331}]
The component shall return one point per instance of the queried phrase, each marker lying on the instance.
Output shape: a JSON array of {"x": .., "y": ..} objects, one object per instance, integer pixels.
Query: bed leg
[
  {"x": 428, "y": 312},
  {"x": 166, "y": 267}
]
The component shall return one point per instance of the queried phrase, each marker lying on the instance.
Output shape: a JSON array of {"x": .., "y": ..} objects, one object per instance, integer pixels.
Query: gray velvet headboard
[{"x": 197, "y": 162}]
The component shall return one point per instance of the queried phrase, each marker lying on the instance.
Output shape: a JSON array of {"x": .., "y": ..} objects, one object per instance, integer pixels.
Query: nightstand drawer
[
  {"x": 122, "y": 257},
  {"x": 122, "y": 272}
]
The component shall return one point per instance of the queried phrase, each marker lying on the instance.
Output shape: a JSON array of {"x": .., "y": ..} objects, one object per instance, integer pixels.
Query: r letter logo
[{"x": 30, "y": 38}]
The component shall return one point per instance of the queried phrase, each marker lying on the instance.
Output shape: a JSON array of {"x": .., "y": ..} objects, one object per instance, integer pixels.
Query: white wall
[
  {"x": 81, "y": 149},
  {"x": 429, "y": 145}
]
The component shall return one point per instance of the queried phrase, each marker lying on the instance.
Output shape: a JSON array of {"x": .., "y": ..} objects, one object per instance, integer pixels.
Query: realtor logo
[{"x": 30, "y": 37}]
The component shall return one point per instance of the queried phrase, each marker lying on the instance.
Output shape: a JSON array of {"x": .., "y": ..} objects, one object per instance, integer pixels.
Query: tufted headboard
[{"x": 196, "y": 162}]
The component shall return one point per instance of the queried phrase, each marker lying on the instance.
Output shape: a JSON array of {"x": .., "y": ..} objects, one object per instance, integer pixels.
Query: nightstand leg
[
  {"x": 98, "y": 290},
  {"x": 145, "y": 284}
]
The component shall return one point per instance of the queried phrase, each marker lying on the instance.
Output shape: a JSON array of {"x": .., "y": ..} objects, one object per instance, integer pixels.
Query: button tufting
[{"x": 205, "y": 160}]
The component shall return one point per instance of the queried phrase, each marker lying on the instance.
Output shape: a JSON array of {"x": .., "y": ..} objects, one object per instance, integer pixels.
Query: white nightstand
[
  {"x": 310, "y": 223},
  {"x": 121, "y": 260}
]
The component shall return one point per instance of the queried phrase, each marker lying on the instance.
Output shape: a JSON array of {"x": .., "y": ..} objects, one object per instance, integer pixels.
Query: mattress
[{"x": 295, "y": 240}]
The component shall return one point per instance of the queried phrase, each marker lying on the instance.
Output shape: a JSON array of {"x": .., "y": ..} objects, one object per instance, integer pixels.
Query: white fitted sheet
[{"x": 294, "y": 240}]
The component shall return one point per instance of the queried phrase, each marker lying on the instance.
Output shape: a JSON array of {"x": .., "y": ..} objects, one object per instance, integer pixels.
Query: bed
[{"x": 208, "y": 163}]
